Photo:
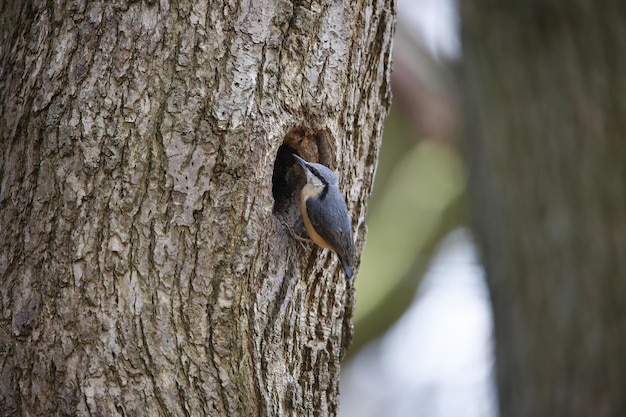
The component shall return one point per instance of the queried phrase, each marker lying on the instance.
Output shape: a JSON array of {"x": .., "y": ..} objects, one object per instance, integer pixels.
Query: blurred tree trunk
[
  {"x": 144, "y": 265},
  {"x": 547, "y": 157}
]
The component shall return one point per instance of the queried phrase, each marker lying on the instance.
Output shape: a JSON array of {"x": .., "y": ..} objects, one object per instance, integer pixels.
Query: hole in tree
[
  {"x": 288, "y": 177},
  {"x": 286, "y": 180}
]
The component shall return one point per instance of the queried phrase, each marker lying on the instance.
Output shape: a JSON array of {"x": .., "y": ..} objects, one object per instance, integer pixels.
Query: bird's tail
[{"x": 347, "y": 269}]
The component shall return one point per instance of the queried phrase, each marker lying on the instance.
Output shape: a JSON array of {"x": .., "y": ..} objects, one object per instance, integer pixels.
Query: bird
[{"x": 325, "y": 214}]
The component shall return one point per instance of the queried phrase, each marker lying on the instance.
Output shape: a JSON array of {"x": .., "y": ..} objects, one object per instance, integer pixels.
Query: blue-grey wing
[{"x": 330, "y": 219}]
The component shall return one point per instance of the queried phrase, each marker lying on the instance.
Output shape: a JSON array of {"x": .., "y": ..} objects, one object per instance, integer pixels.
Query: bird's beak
[{"x": 301, "y": 161}]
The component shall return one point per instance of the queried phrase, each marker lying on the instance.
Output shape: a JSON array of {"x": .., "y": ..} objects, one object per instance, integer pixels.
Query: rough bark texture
[
  {"x": 144, "y": 265},
  {"x": 548, "y": 173}
]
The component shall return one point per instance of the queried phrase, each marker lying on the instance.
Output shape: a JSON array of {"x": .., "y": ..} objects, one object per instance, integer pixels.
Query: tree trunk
[
  {"x": 145, "y": 185},
  {"x": 547, "y": 161}
]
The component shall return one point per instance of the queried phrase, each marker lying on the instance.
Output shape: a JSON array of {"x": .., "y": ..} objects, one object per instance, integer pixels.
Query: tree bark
[
  {"x": 547, "y": 162},
  {"x": 145, "y": 185}
]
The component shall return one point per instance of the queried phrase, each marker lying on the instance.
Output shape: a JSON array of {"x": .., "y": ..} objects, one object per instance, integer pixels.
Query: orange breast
[{"x": 315, "y": 237}]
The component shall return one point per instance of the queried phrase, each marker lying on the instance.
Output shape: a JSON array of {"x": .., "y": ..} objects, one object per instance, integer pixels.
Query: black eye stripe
[{"x": 318, "y": 175}]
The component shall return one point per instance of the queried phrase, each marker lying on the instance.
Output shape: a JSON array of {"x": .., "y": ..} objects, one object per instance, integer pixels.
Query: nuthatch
[{"x": 325, "y": 214}]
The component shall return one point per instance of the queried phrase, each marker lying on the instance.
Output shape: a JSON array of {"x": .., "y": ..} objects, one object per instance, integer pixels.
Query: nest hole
[{"x": 288, "y": 178}]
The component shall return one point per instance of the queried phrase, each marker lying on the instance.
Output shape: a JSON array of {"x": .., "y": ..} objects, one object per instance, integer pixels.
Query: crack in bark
[{"x": 148, "y": 369}]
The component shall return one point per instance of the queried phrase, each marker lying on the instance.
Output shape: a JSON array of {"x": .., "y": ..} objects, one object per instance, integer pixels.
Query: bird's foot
[{"x": 301, "y": 240}]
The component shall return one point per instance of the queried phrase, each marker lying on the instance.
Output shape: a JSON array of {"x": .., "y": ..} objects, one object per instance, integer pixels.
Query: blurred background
[{"x": 423, "y": 323}]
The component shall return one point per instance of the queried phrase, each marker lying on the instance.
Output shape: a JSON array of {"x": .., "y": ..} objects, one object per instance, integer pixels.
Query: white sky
[
  {"x": 435, "y": 21},
  {"x": 436, "y": 361}
]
